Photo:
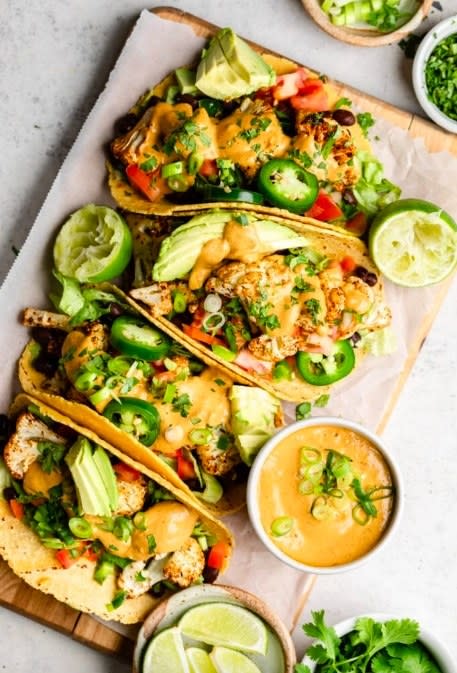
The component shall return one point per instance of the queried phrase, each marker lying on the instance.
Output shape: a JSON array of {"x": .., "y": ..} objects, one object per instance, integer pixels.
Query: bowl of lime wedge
[{"x": 213, "y": 629}]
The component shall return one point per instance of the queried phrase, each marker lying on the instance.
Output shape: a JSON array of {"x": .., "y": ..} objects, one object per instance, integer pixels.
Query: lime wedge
[
  {"x": 227, "y": 625},
  {"x": 93, "y": 245},
  {"x": 165, "y": 652},
  {"x": 229, "y": 661},
  {"x": 199, "y": 661},
  {"x": 414, "y": 243}
]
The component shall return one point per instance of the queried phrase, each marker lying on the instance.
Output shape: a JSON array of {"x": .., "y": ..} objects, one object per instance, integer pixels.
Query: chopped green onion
[
  {"x": 179, "y": 302},
  {"x": 194, "y": 163},
  {"x": 52, "y": 543},
  {"x": 282, "y": 371},
  {"x": 200, "y": 436},
  {"x": 360, "y": 516},
  {"x": 170, "y": 170},
  {"x": 117, "y": 601},
  {"x": 139, "y": 521},
  {"x": 386, "y": 492},
  {"x": 85, "y": 381},
  {"x": 122, "y": 528},
  {"x": 441, "y": 78},
  {"x": 101, "y": 396},
  {"x": 80, "y": 527},
  {"x": 103, "y": 570},
  {"x": 119, "y": 365},
  {"x": 282, "y": 526},
  {"x": 306, "y": 487},
  {"x": 320, "y": 509},
  {"x": 309, "y": 455},
  {"x": 178, "y": 183},
  {"x": 170, "y": 393},
  {"x": 223, "y": 353}
]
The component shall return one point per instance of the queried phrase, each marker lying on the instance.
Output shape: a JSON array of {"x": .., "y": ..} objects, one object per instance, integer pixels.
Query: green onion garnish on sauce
[{"x": 281, "y": 526}]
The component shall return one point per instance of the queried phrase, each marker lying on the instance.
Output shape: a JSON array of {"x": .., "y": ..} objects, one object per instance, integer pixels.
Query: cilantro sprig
[{"x": 371, "y": 647}]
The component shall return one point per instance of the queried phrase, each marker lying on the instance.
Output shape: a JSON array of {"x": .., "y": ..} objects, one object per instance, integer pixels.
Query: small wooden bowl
[
  {"x": 281, "y": 650},
  {"x": 359, "y": 36}
]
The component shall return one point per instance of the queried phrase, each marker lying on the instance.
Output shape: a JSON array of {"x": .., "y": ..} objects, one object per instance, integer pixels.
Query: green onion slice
[
  {"x": 200, "y": 436},
  {"x": 310, "y": 455},
  {"x": 139, "y": 521},
  {"x": 282, "y": 526},
  {"x": 306, "y": 487},
  {"x": 175, "y": 168},
  {"x": 360, "y": 516},
  {"x": 80, "y": 527}
]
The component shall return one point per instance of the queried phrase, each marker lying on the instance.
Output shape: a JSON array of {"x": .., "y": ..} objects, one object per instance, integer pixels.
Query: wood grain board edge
[{"x": 18, "y": 596}]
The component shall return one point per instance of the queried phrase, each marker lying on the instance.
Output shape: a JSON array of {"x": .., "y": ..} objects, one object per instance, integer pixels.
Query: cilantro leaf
[
  {"x": 412, "y": 659},
  {"x": 383, "y": 663},
  {"x": 301, "y": 668},
  {"x": 326, "y": 634}
]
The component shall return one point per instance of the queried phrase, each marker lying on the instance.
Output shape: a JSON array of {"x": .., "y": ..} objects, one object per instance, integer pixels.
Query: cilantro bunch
[{"x": 372, "y": 647}]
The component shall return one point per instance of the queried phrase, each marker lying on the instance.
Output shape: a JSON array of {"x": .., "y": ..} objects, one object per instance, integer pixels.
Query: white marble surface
[{"x": 55, "y": 57}]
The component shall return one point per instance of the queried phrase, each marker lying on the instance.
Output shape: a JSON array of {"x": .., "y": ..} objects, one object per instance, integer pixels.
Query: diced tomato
[
  {"x": 65, "y": 559},
  {"x": 250, "y": 363},
  {"x": 217, "y": 555},
  {"x": 92, "y": 554},
  {"x": 324, "y": 208},
  {"x": 348, "y": 264},
  {"x": 311, "y": 96},
  {"x": 289, "y": 85},
  {"x": 17, "y": 508},
  {"x": 198, "y": 334},
  {"x": 126, "y": 473},
  {"x": 208, "y": 169},
  {"x": 184, "y": 466},
  {"x": 357, "y": 224},
  {"x": 147, "y": 183}
]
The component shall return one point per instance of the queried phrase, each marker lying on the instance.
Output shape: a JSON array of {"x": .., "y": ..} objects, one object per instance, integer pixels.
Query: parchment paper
[{"x": 154, "y": 48}]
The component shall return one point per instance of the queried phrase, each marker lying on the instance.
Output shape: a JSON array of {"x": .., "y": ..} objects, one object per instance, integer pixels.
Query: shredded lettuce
[
  {"x": 82, "y": 303},
  {"x": 379, "y": 342},
  {"x": 373, "y": 191}
]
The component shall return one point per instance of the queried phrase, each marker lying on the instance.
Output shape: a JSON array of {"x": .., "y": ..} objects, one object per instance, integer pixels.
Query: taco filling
[
  {"x": 283, "y": 304},
  {"x": 87, "y": 505},
  {"x": 185, "y": 413},
  {"x": 282, "y": 139}
]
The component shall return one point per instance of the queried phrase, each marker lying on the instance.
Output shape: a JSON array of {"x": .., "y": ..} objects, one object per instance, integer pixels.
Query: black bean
[
  {"x": 371, "y": 279},
  {"x": 368, "y": 277},
  {"x": 210, "y": 575},
  {"x": 158, "y": 589},
  {"x": 153, "y": 100},
  {"x": 187, "y": 98},
  {"x": 194, "y": 485},
  {"x": 125, "y": 124},
  {"x": 9, "y": 493},
  {"x": 343, "y": 117},
  {"x": 116, "y": 309},
  {"x": 348, "y": 197},
  {"x": 355, "y": 338}
]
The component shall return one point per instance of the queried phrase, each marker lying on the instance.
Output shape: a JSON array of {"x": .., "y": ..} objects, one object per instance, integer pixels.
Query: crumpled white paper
[{"x": 154, "y": 48}]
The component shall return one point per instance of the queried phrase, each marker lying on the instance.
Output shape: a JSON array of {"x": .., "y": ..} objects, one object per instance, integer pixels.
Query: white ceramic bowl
[
  {"x": 429, "y": 42},
  {"x": 439, "y": 651},
  {"x": 253, "y": 504}
]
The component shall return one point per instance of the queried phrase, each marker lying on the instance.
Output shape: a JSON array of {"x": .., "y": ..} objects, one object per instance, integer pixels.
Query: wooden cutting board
[{"x": 18, "y": 596}]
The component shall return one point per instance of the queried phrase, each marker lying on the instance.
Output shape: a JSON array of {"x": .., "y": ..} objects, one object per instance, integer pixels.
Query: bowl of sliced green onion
[
  {"x": 435, "y": 74},
  {"x": 368, "y": 23}
]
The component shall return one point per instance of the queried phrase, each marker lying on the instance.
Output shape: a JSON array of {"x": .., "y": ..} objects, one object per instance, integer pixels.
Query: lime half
[
  {"x": 94, "y": 245},
  {"x": 414, "y": 243},
  {"x": 165, "y": 652},
  {"x": 199, "y": 661},
  {"x": 229, "y": 661},
  {"x": 227, "y": 625}
]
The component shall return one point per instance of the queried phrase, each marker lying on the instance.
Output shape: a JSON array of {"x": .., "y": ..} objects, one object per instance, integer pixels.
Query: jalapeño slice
[
  {"x": 321, "y": 370},
  {"x": 136, "y": 417},
  {"x": 287, "y": 185},
  {"x": 131, "y": 336},
  {"x": 214, "y": 193}
]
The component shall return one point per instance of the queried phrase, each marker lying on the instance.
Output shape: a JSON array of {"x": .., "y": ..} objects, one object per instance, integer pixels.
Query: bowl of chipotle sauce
[{"x": 324, "y": 495}]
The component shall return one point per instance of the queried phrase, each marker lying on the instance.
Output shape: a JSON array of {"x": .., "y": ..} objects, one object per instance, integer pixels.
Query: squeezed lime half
[
  {"x": 94, "y": 245},
  {"x": 414, "y": 243},
  {"x": 165, "y": 652},
  {"x": 227, "y": 625}
]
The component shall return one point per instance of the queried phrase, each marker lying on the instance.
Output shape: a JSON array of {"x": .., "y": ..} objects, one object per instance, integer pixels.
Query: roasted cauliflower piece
[
  {"x": 218, "y": 461},
  {"x": 266, "y": 347},
  {"x": 132, "y": 496},
  {"x": 137, "y": 578},
  {"x": 185, "y": 565},
  {"x": 22, "y": 447},
  {"x": 159, "y": 296}
]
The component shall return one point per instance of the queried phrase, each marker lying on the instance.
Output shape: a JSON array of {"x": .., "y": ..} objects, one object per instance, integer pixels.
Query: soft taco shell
[
  {"x": 131, "y": 200},
  {"x": 75, "y": 586},
  {"x": 49, "y": 391},
  {"x": 331, "y": 243}
]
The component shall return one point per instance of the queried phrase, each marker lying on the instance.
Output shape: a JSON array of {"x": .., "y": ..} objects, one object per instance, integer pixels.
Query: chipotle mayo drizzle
[{"x": 334, "y": 541}]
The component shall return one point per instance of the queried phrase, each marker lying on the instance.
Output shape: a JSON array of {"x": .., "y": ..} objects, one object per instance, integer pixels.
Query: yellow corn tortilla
[
  {"x": 75, "y": 586},
  {"x": 128, "y": 198},
  {"x": 49, "y": 391},
  {"x": 331, "y": 243}
]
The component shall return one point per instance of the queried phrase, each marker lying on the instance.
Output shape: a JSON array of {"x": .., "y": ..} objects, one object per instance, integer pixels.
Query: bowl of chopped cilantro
[
  {"x": 435, "y": 74},
  {"x": 368, "y": 23},
  {"x": 373, "y": 643}
]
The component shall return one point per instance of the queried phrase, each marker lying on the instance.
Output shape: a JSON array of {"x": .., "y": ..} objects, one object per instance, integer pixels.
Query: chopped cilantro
[
  {"x": 139, "y": 577},
  {"x": 342, "y": 101},
  {"x": 149, "y": 164},
  {"x": 219, "y": 382},
  {"x": 152, "y": 544},
  {"x": 259, "y": 311},
  {"x": 365, "y": 121},
  {"x": 182, "y": 404},
  {"x": 322, "y": 401},
  {"x": 51, "y": 454},
  {"x": 314, "y": 308},
  {"x": 302, "y": 158},
  {"x": 223, "y": 442},
  {"x": 302, "y": 411},
  {"x": 301, "y": 285}
]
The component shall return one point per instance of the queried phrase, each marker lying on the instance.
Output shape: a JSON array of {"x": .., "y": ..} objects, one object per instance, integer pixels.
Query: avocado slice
[
  {"x": 186, "y": 80},
  {"x": 229, "y": 68},
  {"x": 91, "y": 491},
  {"x": 179, "y": 252},
  {"x": 106, "y": 471},
  {"x": 253, "y": 419}
]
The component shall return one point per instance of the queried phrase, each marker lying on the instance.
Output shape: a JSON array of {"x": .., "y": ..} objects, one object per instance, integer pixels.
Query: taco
[
  {"x": 89, "y": 525},
  {"x": 242, "y": 127},
  {"x": 109, "y": 369},
  {"x": 281, "y": 305}
]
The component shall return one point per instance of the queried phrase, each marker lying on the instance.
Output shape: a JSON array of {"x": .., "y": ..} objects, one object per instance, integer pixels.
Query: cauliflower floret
[
  {"x": 186, "y": 564},
  {"x": 218, "y": 461},
  {"x": 132, "y": 495},
  {"x": 22, "y": 447},
  {"x": 137, "y": 578}
]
